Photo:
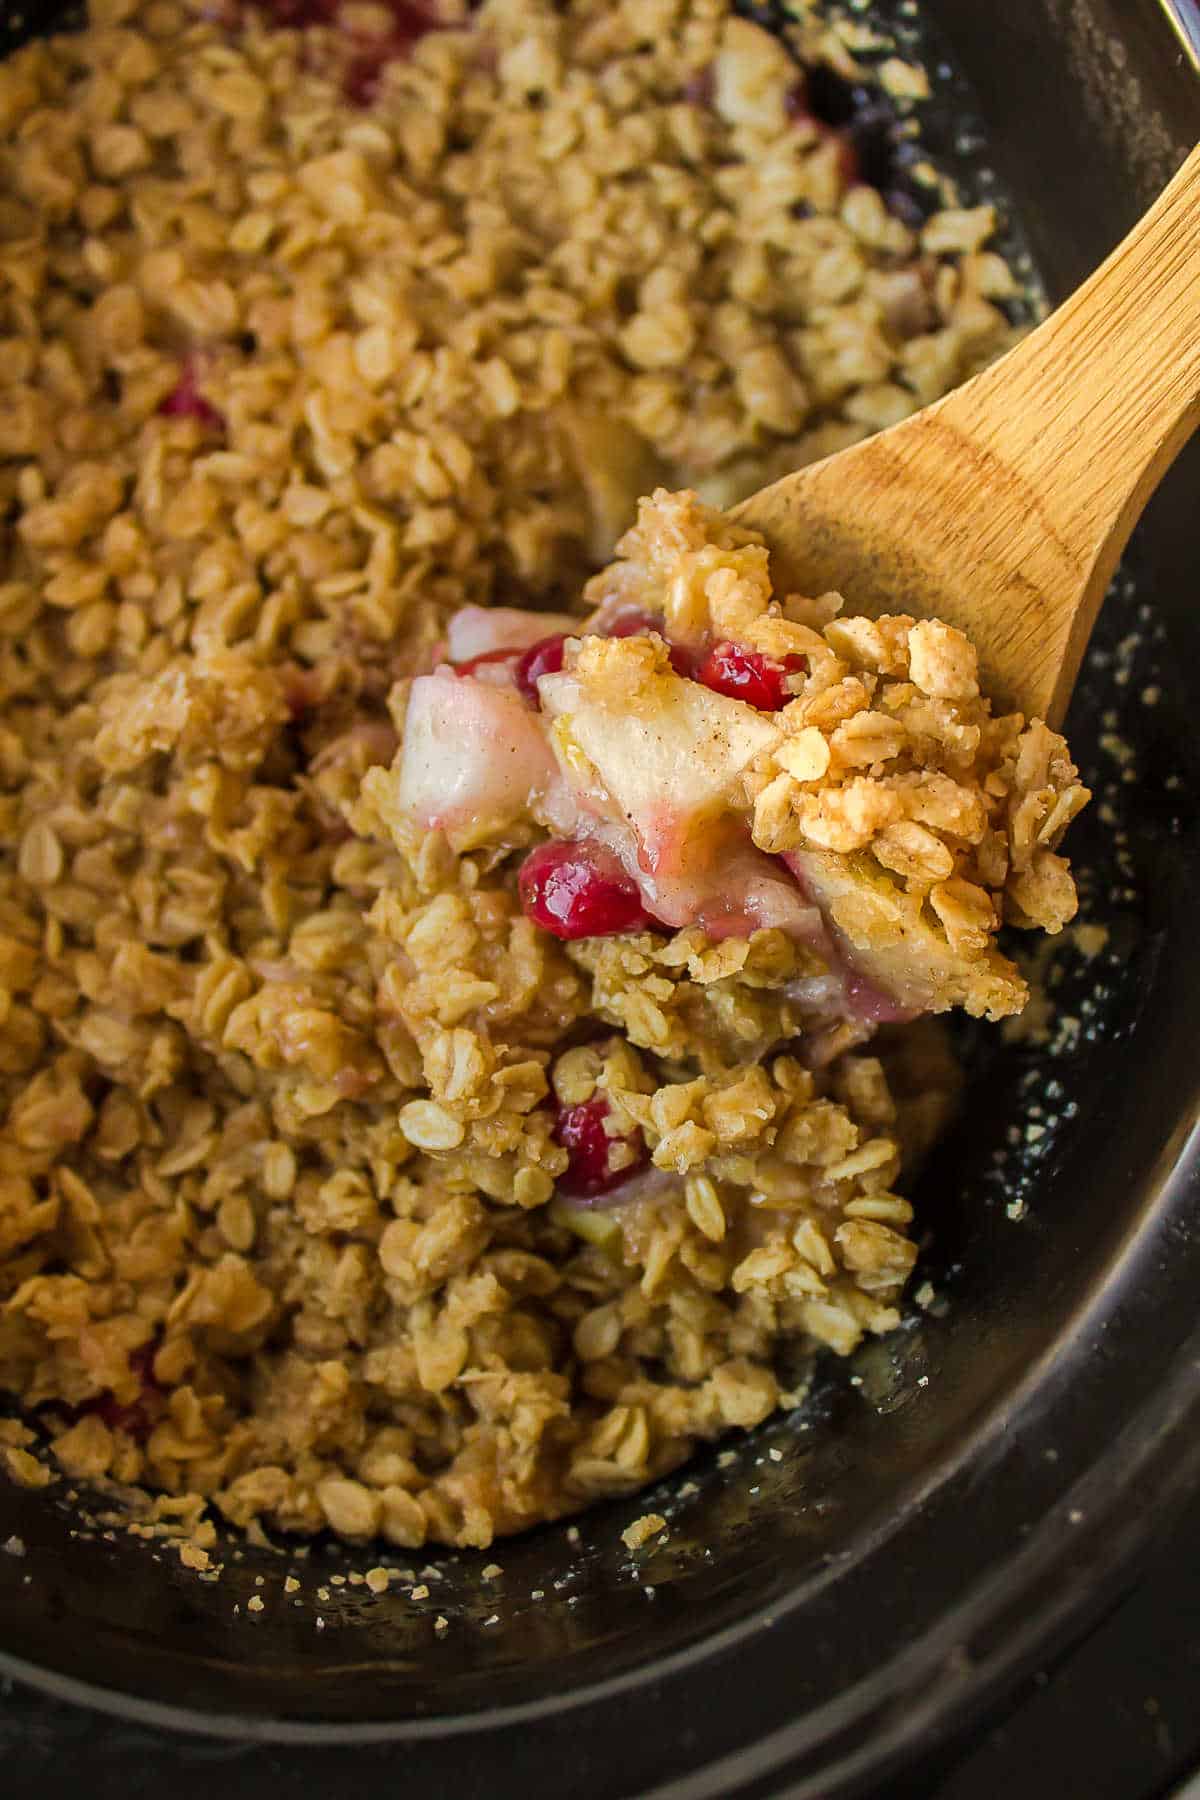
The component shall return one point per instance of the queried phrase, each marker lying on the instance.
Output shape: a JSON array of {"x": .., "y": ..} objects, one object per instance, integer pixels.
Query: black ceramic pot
[{"x": 957, "y": 1502}]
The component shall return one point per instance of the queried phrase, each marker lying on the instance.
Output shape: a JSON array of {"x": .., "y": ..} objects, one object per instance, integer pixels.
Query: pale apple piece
[
  {"x": 748, "y": 892},
  {"x": 666, "y": 761},
  {"x": 480, "y": 630},
  {"x": 892, "y": 941},
  {"x": 473, "y": 761},
  {"x": 715, "y": 877},
  {"x": 600, "y": 1218}
]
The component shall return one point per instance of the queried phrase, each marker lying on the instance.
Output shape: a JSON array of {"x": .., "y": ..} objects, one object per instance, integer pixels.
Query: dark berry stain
[{"x": 876, "y": 151}]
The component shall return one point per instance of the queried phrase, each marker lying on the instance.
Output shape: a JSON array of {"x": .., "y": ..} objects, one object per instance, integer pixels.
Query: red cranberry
[
  {"x": 360, "y": 83},
  {"x": 543, "y": 658},
  {"x": 185, "y": 401},
  {"x": 294, "y": 15},
  {"x": 578, "y": 890},
  {"x": 409, "y": 24},
  {"x": 134, "y": 1420},
  {"x": 580, "y": 1131},
  {"x": 746, "y": 675},
  {"x": 635, "y": 623},
  {"x": 137, "y": 1417}
]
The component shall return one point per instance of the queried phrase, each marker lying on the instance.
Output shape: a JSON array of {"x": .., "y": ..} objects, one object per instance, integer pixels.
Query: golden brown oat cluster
[{"x": 283, "y": 383}]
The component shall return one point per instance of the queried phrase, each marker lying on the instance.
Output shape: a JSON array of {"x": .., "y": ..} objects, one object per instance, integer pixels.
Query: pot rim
[{"x": 1046, "y": 1592}]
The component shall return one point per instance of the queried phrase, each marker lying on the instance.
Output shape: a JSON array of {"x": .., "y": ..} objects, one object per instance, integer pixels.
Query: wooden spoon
[{"x": 1003, "y": 508}]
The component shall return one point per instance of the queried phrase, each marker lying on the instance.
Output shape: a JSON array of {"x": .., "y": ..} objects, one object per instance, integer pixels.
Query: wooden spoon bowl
[{"x": 1004, "y": 507}]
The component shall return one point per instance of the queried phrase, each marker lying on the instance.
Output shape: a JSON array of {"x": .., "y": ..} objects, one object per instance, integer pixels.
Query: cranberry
[
  {"x": 137, "y": 1417},
  {"x": 185, "y": 401},
  {"x": 580, "y": 1131},
  {"x": 578, "y": 890},
  {"x": 635, "y": 623},
  {"x": 409, "y": 24},
  {"x": 360, "y": 83},
  {"x": 543, "y": 658},
  {"x": 295, "y": 14},
  {"x": 746, "y": 675},
  {"x": 134, "y": 1420}
]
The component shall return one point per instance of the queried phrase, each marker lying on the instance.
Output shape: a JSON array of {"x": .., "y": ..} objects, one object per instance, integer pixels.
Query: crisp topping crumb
[{"x": 642, "y": 1530}]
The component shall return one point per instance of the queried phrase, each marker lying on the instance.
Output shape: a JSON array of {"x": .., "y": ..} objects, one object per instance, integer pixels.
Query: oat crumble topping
[{"x": 335, "y": 1191}]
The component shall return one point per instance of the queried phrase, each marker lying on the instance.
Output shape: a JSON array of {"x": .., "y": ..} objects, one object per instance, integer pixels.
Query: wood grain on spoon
[{"x": 1004, "y": 508}]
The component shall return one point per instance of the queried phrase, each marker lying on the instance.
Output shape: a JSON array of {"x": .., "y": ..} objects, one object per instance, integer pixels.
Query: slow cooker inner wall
[{"x": 843, "y": 1530}]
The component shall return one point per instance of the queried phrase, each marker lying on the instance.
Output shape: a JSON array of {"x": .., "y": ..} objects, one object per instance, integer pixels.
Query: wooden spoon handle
[
  {"x": 1092, "y": 408},
  {"x": 1004, "y": 507}
]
